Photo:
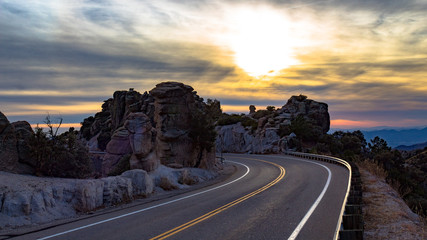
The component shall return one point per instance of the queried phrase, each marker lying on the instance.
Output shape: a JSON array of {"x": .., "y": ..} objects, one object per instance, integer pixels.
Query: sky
[{"x": 366, "y": 59}]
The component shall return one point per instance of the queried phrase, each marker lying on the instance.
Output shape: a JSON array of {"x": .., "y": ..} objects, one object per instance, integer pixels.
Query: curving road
[{"x": 268, "y": 197}]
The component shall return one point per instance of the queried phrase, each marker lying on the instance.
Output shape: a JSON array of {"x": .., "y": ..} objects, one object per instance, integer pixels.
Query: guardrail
[{"x": 350, "y": 224}]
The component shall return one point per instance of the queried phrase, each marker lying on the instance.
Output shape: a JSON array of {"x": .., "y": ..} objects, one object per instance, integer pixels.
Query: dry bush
[
  {"x": 373, "y": 168},
  {"x": 166, "y": 185},
  {"x": 187, "y": 179}
]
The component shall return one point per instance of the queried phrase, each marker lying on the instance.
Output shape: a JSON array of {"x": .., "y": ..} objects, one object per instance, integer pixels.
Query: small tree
[
  {"x": 213, "y": 109},
  {"x": 202, "y": 132},
  {"x": 59, "y": 155},
  {"x": 271, "y": 108},
  {"x": 378, "y": 145}
]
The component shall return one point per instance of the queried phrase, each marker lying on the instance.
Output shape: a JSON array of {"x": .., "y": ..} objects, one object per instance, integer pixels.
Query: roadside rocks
[{"x": 28, "y": 200}]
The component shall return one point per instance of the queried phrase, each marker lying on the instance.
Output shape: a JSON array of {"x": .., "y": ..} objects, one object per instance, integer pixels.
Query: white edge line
[
  {"x": 315, "y": 204},
  {"x": 152, "y": 207}
]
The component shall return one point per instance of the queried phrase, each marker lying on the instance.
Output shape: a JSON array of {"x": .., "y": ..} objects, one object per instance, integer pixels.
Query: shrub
[
  {"x": 166, "y": 185},
  {"x": 261, "y": 113},
  {"x": 271, "y": 108},
  {"x": 122, "y": 166},
  {"x": 234, "y": 118},
  {"x": 213, "y": 109},
  {"x": 59, "y": 156},
  {"x": 227, "y": 119},
  {"x": 284, "y": 130},
  {"x": 305, "y": 130},
  {"x": 202, "y": 133}
]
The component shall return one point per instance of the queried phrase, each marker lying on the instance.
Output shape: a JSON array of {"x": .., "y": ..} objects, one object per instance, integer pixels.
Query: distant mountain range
[
  {"x": 399, "y": 138},
  {"x": 412, "y": 147}
]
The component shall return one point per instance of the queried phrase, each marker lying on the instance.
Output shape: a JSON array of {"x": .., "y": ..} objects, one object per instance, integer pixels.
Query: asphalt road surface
[{"x": 268, "y": 197}]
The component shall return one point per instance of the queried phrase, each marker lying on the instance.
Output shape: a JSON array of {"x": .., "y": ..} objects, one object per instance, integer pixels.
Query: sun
[{"x": 262, "y": 41}]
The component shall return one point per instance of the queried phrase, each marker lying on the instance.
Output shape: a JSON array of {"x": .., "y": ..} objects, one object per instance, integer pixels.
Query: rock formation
[
  {"x": 152, "y": 128},
  {"x": 175, "y": 104},
  {"x": 15, "y": 146},
  {"x": 316, "y": 112},
  {"x": 273, "y": 127}
]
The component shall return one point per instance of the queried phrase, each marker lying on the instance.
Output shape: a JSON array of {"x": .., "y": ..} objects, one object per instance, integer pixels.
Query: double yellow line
[{"x": 220, "y": 209}]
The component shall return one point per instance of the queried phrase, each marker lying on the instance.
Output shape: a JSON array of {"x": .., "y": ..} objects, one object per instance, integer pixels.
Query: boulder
[
  {"x": 141, "y": 139},
  {"x": 119, "y": 144},
  {"x": 252, "y": 109},
  {"x": 9, "y": 155},
  {"x": 89, "y": 195},
  {"x": 267, "y": 141},
  {"x": 117, "y": 190},
  {"x": 142, "y": 184},
  {"x": 234, "y": 138},
  {"x": 24, "y": 134}
]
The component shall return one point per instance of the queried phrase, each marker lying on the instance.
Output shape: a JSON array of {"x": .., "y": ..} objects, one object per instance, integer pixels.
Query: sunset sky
[{"x": 366, "y": 59}]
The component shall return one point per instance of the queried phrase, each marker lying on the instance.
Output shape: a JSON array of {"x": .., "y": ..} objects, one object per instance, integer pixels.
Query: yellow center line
[{"x": 220, "y": 209}]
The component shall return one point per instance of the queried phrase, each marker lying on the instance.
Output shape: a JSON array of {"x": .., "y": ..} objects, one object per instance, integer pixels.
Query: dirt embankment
[{"x": 385, "y": 213}]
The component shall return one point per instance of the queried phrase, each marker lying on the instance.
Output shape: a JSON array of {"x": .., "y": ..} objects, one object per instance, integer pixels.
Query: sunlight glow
[{"x": 262, "y": 41}]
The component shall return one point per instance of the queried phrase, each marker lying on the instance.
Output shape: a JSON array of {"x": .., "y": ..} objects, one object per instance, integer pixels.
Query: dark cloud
[
  {"x": 40, "y": 118},
  {"x": 13, "y": 9},
  {"x": 47, "y": 100},
  {"x": 46, "y": 63},
  {"x": 248, "y": 102}
]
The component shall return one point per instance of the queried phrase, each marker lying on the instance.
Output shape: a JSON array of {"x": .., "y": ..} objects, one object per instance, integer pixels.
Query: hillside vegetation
[{"x": 405, "y": 171}]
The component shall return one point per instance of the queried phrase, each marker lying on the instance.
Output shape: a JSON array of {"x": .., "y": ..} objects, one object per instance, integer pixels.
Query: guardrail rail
[{"x": 350, "y": 224}]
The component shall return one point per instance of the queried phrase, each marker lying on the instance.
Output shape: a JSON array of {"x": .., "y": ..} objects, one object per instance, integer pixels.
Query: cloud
[{"x": 367, "y": 56}]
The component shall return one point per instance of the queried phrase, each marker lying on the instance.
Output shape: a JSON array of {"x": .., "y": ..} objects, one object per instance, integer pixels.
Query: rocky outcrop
[
  {"x": 315, "y": 112},
  {"x": 272, "y": 131},
  {"x": 15, "y": 146},
  {"x": 152, "y": 128},
  {"x": 238, "y": 139}
]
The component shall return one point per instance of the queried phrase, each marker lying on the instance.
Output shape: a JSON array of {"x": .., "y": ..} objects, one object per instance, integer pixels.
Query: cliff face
[
  {"x": 148, "y": 129},
  {"x": 272, "y": 130}
]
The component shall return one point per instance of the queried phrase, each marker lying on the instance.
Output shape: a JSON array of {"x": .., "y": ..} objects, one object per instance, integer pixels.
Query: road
[{"x": 268, "y": 197}]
